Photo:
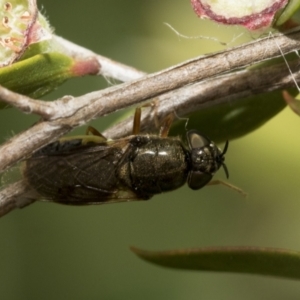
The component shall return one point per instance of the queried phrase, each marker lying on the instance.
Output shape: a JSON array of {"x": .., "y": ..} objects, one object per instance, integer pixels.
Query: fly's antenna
[
  {"x": 225, "y": 170},
  {"x": 222, "y": 156},
  {"x": 225, "y": 148}
]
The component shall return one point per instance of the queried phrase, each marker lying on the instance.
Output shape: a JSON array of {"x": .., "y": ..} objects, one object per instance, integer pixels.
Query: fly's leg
[
  {"x": 228, "y": 185},
  {"x": 166, "y": 125},
  {"x": 95, "y": 132},
  {"x": 137, "y": 121},
  {"x": 138, "y": 116}
]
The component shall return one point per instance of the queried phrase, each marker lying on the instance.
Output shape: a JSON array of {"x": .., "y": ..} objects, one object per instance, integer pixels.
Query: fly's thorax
[{"x": 154, "y": 165}]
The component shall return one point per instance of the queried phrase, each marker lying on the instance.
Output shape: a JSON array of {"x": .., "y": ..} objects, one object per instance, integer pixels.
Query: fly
[{"x": 93, "y": 170}]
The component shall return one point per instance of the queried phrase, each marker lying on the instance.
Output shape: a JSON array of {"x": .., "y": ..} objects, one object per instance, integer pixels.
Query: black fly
[{"x": 93, "y": 170}]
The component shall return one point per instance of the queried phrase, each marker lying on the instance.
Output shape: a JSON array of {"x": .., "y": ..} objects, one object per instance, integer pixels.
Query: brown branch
[
  {"x": 169, "y": 85},
  {"x": 222, "y": 89},
  {"x": 27, "y": 105}
]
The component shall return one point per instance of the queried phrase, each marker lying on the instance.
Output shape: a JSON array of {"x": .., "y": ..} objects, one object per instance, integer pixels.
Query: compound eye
[
  {"x": 196, "y": 140},
  {"x": 196, "y": 179}
]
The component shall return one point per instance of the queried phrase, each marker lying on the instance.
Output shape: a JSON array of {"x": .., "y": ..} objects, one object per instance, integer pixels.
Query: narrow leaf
[{"x": 248, "y": 260}]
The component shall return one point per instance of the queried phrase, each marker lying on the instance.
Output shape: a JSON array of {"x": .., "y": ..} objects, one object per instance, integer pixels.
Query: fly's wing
[{"x": 72, "y": 173}]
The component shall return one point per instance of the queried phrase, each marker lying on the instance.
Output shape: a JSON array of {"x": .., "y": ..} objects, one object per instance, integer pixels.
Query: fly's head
[{"x": 206, "y": 159}]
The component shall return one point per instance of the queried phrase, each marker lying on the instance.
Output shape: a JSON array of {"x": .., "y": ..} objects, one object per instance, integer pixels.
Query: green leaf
[
  {"x": 247, "y": 260},
  {"x": 42, "y": 73},
  {"x": 230, "y": 121}
]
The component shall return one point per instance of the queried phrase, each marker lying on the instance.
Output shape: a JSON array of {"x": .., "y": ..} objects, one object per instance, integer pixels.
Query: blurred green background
[{"x": 51, "y": 251}]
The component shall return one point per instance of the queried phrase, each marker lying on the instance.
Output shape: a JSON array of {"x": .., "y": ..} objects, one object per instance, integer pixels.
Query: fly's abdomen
[
  {"x": 73, "y": 174},
  {"x": 158, "y": 166}
]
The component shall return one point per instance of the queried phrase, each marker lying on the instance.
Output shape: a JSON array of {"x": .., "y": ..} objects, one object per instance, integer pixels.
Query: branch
[
  {"x": 218, "y": 90},
  {"x": 13, "y": 197},
  {"x": 172, "y": 86},
  {"x": 109, "y": 68}
]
